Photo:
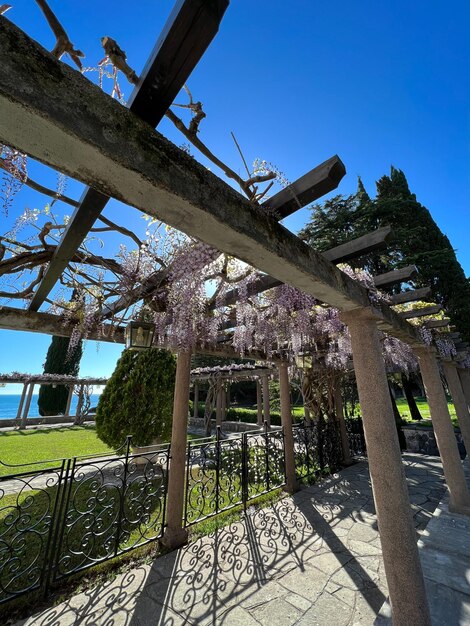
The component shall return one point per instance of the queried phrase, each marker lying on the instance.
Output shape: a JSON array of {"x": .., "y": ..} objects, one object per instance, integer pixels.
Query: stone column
[
  {"x": 286, "y": 420},
  {"x": 20, "y": 406},
  {"x": 347, "y": 460},
  {"x": 459, "y": 400},
  {"x": 27, "y": 405},
  {"x": 69, "y": 401},
  {"x": 196, "y": 400},
  {"x": 444, "y": 432},
  {"x": 397, "y": 534},
  {"x": 223, "y": 404},
  {"x": 464, "y": 375},
  {"x": 259, "y": 403},
  {"x": 175, "y": 534},
  {"x": 218, "y": 403},
  {"x": 266, "y": 409}
]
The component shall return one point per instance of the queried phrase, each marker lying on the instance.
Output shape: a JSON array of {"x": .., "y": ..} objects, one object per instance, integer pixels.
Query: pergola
[
  {"x": 219, "y": 379},
  {"x": 29, "y": 381},
  {"x": 116, "y": 151}
]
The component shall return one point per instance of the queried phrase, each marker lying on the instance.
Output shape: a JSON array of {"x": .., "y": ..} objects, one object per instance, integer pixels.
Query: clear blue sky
[{"x": 376, "y": 83}]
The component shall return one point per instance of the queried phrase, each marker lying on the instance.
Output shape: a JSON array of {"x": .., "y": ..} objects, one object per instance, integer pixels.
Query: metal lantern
[{"x": 139, "y": 335}]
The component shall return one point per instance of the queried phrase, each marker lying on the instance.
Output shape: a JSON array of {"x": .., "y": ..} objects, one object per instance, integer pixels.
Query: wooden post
[
  {"x": 27, "y": 405},
  {"x": 196, "y": 400},
  {"x": 347, "y": 460},
  {"x": 397, "y": 534},
  {"x": 20, "y": 406},
  {"x": 459, "y": 400},
  {"x": 444, "y": 432},
  {"x": 286, "y": 420},
  {"x": 259, "y": 403},
  {"x": 306, "y": 413},
  {"x": 175, "y": 534},
  {"x": 266, "y": 408}
]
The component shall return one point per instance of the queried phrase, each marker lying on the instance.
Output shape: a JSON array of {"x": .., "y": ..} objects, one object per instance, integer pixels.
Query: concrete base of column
[{"x": 174, "y": 538}]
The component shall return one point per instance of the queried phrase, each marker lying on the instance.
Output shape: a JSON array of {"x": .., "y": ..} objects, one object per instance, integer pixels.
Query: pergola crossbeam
[
  {"x": 411, "y": 296},
  {"x": 428, "y": 310},
  {"x": 402, "y": 275}
]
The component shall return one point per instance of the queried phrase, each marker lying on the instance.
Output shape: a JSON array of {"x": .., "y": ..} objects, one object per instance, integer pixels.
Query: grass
[
  {"x": 28, "y": 446},
  {"x": 423, "y": 407}
]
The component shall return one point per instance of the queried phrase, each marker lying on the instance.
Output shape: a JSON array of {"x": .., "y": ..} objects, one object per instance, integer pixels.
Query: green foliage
[
  {"x": 53, "y": 401},
  {"x": 138, "y": 399},
  {"x": 417, "y": 240}
]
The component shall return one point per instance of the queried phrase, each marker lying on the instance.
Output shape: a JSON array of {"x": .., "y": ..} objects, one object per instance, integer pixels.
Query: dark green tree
[
  {"x": 59, "y": 360},
  {"x": 138, "y": 399}
]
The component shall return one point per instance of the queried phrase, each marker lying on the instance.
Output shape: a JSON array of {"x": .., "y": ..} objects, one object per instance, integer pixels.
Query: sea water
[{"x": 9, "y": 404}]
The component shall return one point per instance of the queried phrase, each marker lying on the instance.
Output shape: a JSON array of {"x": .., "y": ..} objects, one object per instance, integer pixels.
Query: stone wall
[
  {"x": 423, "y": 441},
  {"x": 231, "y": 427}
]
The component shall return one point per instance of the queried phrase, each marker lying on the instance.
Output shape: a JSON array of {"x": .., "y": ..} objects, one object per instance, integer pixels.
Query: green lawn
[
  {"x": 424, "y": 410},
  {"x": 27, "y": 446}
]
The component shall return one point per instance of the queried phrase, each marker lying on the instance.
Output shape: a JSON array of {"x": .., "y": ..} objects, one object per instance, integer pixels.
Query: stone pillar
[
  {"x": 259, "y": 403},
  {"x": 459, "y": 400},
  {"x": 175, "y": 534},
  {"x": 397, "y": 534},
  {"x": 218, "y": 403},
  {"x": 444, "y": 432},
  {"x": 223, "y": 403},
  {"x": 20, "y": 406},
  {"x": 196, "y": 400},
  {"x": 464, "y": 375},
  {"x": 286, "y": 420},
  {"x": 347, "y": 460},
  {"x": 27, "y": 405},
  {"x": 69, "y": 401},
  {"x": 266, "y": 409}
]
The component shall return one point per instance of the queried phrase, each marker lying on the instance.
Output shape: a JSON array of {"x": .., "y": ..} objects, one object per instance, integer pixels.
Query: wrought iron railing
[
  {"x": 356, "y": 438},
  {"x": 56, "y": 522},
  {"x": 317, "y": 449},
  {"x": 228, "y": 472},
  {"x": 60, "y": 517}
]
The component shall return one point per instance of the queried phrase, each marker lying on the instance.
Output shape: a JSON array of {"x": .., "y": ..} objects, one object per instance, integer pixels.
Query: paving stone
[
  {"x": 276, "y": 613},
  {"x": 326, "y": 611},
  {"x": 299, "y": 602},
  {"x": 308, "y": 583}
]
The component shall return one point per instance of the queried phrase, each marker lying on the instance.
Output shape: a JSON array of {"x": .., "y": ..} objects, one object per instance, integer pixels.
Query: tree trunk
[
  {"x": 397, "y": 416},
  {"x": 408, "y": 389}
]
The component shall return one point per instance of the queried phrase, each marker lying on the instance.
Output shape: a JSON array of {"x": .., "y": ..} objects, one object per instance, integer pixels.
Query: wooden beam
[
  {"x": 437, "y": 323},
  {"x": 377, "y": 240},
  {"x": 338, "y": 254},
  {"x": 186, "y": 35},
  {"x": 402, "y": 275},
  {"x": 313, "y": 185},
  {"x": 49, "y": 324},
  {"x": 411, "y": 296},
  {"x": 109, "y": 148},
  {"x": 428, "y": 310}
]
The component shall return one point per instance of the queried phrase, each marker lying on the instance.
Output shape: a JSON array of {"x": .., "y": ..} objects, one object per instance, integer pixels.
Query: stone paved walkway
[{"x": 310, "y": 560}]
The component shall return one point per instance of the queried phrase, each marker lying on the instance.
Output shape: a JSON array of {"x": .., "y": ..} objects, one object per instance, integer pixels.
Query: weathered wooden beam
[
  {"x": 437, "y": 323},
  {"x": 428, "y": 310},
  {"x": 338, "y": 254},
  {"x": 377, "y": 240},
  {"x": 402, "y": 275},
  {"x": 188, "y": 32},
  {"x": 109, "y": 148},
  {"x": 411, "y": 296},
  {"x": 49, "y": 324},
  {"x": 311, "y": 186},
  {"x": 447, "y": 335}
]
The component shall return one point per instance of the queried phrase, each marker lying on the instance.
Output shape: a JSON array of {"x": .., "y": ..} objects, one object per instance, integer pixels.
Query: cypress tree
[{"x": 53, "y": 400}]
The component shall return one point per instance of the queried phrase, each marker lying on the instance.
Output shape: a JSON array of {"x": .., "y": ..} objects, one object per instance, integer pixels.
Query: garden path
[{"x": 312, "y": 559}]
